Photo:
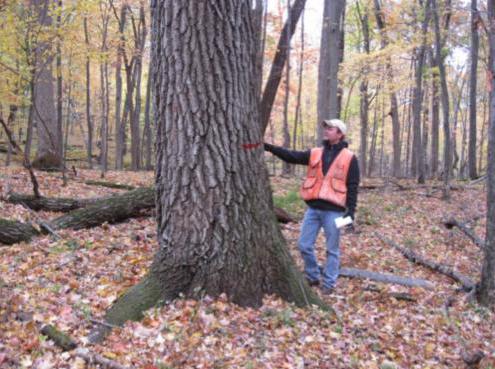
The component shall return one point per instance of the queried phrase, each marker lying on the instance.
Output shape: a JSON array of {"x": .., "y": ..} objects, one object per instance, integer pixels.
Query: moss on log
[
  {"x": 61, "y": 339},
  {"x": 12, "y": 231}
]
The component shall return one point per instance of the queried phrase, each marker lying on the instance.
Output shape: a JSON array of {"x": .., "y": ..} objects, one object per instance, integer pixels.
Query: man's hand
[
  {"x": 268, "y": 147},
  {"x": 349, "y": 214}
]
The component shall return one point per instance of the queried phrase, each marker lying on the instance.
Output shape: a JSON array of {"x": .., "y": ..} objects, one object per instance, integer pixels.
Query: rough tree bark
[
  {"x": 226, "y": 239},
  {"x": 486, "y": 291}
]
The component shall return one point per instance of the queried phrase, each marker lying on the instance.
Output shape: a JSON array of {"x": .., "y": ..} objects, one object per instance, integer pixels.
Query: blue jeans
[{"x": 315, "y": 219}]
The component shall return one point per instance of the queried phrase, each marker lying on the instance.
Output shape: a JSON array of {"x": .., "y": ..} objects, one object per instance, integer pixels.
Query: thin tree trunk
[
  {"x": 424, "y": 140},
  {"x": 30, "y": 123},
  {"x": 457, "y": 110},
  {"x": 486, "y": 291},
  {"x": 447, "y": 154},
  {"x": 88, "y": 96},
  {"x": 393, "y": 98},
  {"x": 331, "y": 53},
  {"x": 10, "y": 122},
  {"x": 298, "y": 115},
  {"x": 286, "y": 168},
  {"x": 435, "y": 117},
  {"x": 472, "y": 90},
  {"x": 260, "y": 23},
  {"x": 119, "y": 124},
  {"x": 140, "y": 37},
  {"x": 419, "y": 165},
  {"x": 464, "y": 170},
  {"x": 147, "y": 141},
  {"x": 482, "y": 142},
  {"x": 374, "y": 135},
  {"x": 382, "y": 141},
  {"x": 363, "y": 92},
  {"x": 104, "y": 94},
  {"x": 59, "y": 82}
]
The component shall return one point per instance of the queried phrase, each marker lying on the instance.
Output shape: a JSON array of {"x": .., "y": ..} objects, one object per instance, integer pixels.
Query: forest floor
[{"x": 71, "y": 281}]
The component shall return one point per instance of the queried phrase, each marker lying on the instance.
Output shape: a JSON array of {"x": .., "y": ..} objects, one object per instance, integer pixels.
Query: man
[{"x": 330, "y": 191}]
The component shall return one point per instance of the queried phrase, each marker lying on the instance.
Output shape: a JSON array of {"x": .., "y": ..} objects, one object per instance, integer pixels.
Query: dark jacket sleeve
[
  {"x": 352, "y": 187},
  {"x": 289, "y": 156}
]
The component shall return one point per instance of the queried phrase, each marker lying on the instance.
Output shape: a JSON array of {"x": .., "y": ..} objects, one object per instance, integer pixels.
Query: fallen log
[
  {"x": 59, "y": 204},
  {"x": 467, "y": 283},
  {"x": 110, "y": 185},
  {"x": 12, "y": 232},
  {"x": 113, "y": 209},
  {"x": 385, "y": 278},
  {"x": 452, "y": 222}
]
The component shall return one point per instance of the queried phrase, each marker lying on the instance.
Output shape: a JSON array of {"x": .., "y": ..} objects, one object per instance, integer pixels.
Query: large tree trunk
[
  {"x": 331, "y": 53},
  {"x": 486, "y": 292},
  {"x": 49, "y": 150},
  {"x": 216, "y": 227},
  {"x": 275, "y": 75},
  {"x": 472, "y": 90}
]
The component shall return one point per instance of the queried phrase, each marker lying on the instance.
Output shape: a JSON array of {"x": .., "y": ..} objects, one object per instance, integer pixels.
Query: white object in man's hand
[{"x": 342, "y": 222}]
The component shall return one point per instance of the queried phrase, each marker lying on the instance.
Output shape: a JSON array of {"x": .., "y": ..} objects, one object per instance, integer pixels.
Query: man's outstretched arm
[{"x": 289, "y": 156}]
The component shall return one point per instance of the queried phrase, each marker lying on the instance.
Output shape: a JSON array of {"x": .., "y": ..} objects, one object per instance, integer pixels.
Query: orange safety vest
[{"x": 332, "y": 187}]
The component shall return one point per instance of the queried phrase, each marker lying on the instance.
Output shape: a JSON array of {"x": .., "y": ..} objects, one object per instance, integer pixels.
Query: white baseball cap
[{"x": 337, "y": 123}]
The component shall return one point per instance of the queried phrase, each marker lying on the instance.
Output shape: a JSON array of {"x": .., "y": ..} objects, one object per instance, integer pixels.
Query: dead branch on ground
[{"x": 467, "y": 283}]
